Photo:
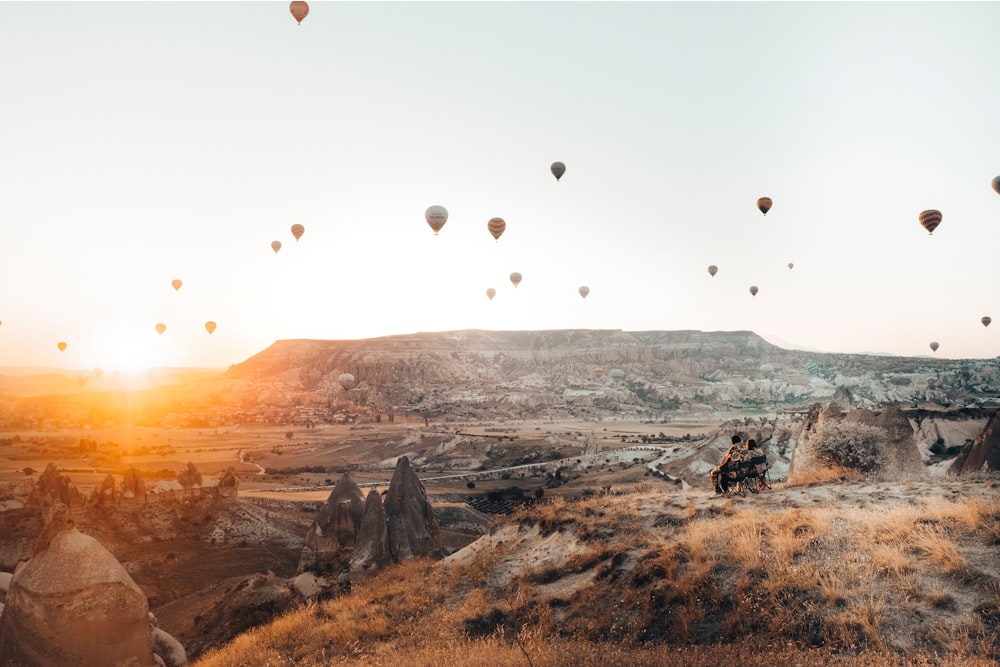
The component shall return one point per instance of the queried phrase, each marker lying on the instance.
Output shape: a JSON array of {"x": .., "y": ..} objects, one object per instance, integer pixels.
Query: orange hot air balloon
[
  {"x": 491, "y": 293},
  {"x": 210, "y": 326},
  {"x": 558, "y": 169},
  {"x": 297, "y": 231},
  {"x": 712, "y": 269},
  {"x": 62, "y": 346},
  {"x": 436, "y": 216},
  {"x": 160, "y": 328},
  {"x": 764, "y": 204},
  {"x": 275, "y": 246},
  {"x": 176, "y": 284},
  {"x": 496, "y": 227},
  {"x": 753, "y": 290},
  {"x": 299, "y": 10},
  {"x": 934, "y": 346},
  {"x": 930, "y": 220},
  {"x": 515, "y": 278},
  {"x": 584, "y": 291}
]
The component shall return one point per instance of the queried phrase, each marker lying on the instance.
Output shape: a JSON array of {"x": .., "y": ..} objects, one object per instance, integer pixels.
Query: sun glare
[{"x": 122, "y": 347}]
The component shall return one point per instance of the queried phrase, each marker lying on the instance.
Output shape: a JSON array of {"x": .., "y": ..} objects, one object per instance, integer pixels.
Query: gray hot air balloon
[
  {"x": 558, "y": 169},
  {"x": 584, "y": 291},
  {"x": 712, "y": 269}
]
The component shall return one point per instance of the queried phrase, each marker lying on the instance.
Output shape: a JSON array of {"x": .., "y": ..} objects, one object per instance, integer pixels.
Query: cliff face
[{"x": 588, "y": 373}]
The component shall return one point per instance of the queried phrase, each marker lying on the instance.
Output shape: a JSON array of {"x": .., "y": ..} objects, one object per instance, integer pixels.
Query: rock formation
[
  {"x": 412, "y": 527},
  {"x": 53, "y": 487},
  {"x": 332, "y": 537},
  {"x": 983, "y": 453},
  {"x": 72, "y": 604},
  {"x": 874, "y": 443},
  {"x": 372, "y": 550},
  {"x": 189, "y": 477},
  {"x": 106, "y": 495},
  {"x": 229, "y": 483},
  {"x": 133, "y": 489}
]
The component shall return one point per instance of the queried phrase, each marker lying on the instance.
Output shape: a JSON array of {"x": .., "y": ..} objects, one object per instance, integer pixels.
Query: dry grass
[
  {"x": 824, "y": 475},
  {"x": 703, "y": 584}
]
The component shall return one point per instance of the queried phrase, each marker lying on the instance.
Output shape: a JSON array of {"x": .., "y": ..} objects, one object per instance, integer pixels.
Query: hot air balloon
[
  {"x": 996, "y": 185},
  {"x": 160, "y": 328},
  {"x": 584, "y": 291},
  {"x": 764, "y": 204},
  {"x": 986, "y": 319},
  {"x": 176, "y": 283},
  {"x": 766, "y": 368},
  {"x": 297, "y": 231},
  {"x": 496, "y": 227},
  {"x": 436, "y": 216},
  {"x": 299, "y": 10},
  {"x": 753, "y": 290},
  {"x": 617, "y": 373},
  {"x": 934, "y": 346},
  {"x": 791, "y": 265},
  {"x": 346, "y": 380},
  {"x": 275, "y": 246},
  {"x": 515, "y": 278},
  {"x": 558, "y": 169},
  {"x": 598, "y": 373},
  {"x": 930, "y": 219},
  {"x": 62, "y": 346},
  {"x": 210, "y": 326},
  {"x": 491, "y": 293},
  {"x": 712, "y": 269}
]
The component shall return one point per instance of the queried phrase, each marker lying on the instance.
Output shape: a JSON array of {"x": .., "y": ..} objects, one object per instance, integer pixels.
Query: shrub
[{"x": 854, "y": 446}]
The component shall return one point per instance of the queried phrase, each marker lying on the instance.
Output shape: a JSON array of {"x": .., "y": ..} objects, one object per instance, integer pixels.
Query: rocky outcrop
[
  {"x": 331, "y": 539},
  {"x": 981, "y": 454},
  {"x": 412, "y": 527},
  {"x": 876, "y": 443},
  {"x": 189, "y": 477},
  {"x": 72, "y": 604},
  {"x": 53, "y": 487},
  {"x": 372, "y": 550},
  {"x": 133, "y": 489},
  {"x": 105, "y": 495},
  {"x": 229, "y": 484}
]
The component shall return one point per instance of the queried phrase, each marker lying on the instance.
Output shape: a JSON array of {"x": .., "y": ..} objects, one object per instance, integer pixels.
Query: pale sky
[{"x": 143, "y": 142}]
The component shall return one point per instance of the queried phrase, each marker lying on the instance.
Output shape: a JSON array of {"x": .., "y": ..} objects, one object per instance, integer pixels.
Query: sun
[{"x": 125, "y": 346}]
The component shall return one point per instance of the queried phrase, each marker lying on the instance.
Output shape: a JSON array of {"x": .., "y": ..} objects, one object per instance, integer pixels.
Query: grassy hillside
[{"x": 842, "y": 571}]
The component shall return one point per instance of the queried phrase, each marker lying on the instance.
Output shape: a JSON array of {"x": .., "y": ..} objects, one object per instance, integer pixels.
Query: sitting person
[
  {"x": 721, "y": 474},
  {"x": 758, "y": 463}
]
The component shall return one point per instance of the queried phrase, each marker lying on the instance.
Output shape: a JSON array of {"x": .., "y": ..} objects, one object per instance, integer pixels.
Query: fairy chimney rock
[
  {"x": 412, "y": 527},
  {"x": 983, "y": 453},
  {"x": 332, "y": 536},
  {"x": 372, "y": 550},
  {"x": 133, "y": 488},
  {"x": 73, "y": 604},
  {"x": 53, "y": 487},
  {"x": 106, "y": 495},
  {"x": 189, "y": 477}
]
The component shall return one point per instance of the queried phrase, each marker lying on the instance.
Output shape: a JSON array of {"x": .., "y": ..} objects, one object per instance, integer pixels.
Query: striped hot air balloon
[
  {"x": 930, "y": 219},
  {"x": 297, "y": 231},
  {"x": 275, "y": 246},
  {"x": 496, "y": 227},
  {"x": 515, "y": 278}
]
